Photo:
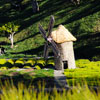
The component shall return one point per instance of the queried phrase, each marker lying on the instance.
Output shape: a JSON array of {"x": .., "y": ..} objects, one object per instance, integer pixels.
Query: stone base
[{"x": 58, "y": 63}]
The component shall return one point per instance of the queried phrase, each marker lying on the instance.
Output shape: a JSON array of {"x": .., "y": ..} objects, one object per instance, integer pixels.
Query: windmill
[
  {"x": 61, "y": 42},
  {"x": 49, "y": 41}
]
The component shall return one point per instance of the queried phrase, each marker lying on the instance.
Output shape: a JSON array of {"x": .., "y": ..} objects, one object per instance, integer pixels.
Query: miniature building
[{"x": 64, "y": 40}]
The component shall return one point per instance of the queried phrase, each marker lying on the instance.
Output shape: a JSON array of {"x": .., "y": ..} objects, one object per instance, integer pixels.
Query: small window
[{"x": 65, "y": 64}]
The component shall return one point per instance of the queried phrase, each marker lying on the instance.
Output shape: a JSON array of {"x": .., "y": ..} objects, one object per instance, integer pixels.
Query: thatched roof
[{"x": 61, "y": 35}]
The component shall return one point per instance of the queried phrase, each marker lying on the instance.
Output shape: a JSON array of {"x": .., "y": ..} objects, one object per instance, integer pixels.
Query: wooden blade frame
[
  {"x": 43, "y": 32},
  {"x": 51, "y": 42},
  {"x": 45, "y": 54},
  {"x": 55, "y": 48},
  {"x": 51, "y": 25}
]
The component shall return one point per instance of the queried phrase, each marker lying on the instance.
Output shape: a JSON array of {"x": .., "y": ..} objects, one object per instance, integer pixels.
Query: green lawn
[
  {"x": 29, "y": 71},
  {"x": 28, "y": 80},
  {"x": 28, "y": 76},
  {"x": 82, "y": 20},
  {"x": 86, "y": 72}
]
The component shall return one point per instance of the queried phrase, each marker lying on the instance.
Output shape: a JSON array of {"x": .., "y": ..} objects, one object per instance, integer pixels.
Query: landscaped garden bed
[
  {"x": 31, "y": 75},
  {"x": 28, "y": 71},
  {"x": 86, "y": 71}
]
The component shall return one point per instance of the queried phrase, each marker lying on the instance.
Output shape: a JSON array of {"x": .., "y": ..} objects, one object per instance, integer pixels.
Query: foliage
[
  {"x": 41, "y": 61},
  {"x": 86, "y": 70},
  {"x": 26, "y": 63},
  {"x": 11, "y": 61},
  {"x": 3, "y": 68},
  {"x": 50, "y": 61},
  {"x": 2, "y": 61},
  {"x": 19, "y": 63},
  {"x": 9, "y": 28},
  {"x": 27, "y": 67},
  {"x": 29, "y": 42},
  {"x": 37, "y": 67},
  {"x": 24, "y": 74},
  {"x": 28, "y": 93},
  {"x": 30, "y": 62}
]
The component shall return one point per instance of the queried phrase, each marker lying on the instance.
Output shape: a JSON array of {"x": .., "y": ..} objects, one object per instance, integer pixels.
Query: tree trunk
[
  {"x": 12, "y": 40},
  {"x": 35, "y": 6}
]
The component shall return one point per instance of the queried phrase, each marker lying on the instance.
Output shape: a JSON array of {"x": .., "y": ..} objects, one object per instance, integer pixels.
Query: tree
[
  {"x": 35, "y": 6},
  {"x": 11, "y": 29}
]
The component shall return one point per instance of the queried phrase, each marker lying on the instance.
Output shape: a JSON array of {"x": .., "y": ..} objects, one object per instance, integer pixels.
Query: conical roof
[{"x": 62, "y": 35}]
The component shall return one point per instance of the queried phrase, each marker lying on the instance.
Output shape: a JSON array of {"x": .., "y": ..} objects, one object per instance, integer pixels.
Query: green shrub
[
  {"x": 37, "y": 66},
  {"x": 26, "y": 67},
  {"x": 50, "y": 61},
  {"x": 82, "y": 63},
  {"x": 14, "y": 67},
  {"x": 3, "y": 68},
  {"x": 8, "y": 65},
  {"x": 30, "y": 62},
  {"x": 41, "y": 61},
  {"x": 2, "y": 61},
  {"x": 19, "y": 63}
]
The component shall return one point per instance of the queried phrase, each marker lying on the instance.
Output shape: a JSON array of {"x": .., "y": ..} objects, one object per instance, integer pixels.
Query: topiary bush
[
  {"x": 19, "y": 63},
  {"x": 41, "y": 61},
  {"x": 2, "y": 61},
  {"x": 30, "y": 62}
]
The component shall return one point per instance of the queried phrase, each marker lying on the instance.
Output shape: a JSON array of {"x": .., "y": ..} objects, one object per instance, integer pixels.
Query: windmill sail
[
  {"x": 49, "y": 40},
  {"x": 50, "y": 25},
  {"x": 43, "y": 32},
  {"x": 55, "y": 48},
  {"x": 45, "y": 54}
]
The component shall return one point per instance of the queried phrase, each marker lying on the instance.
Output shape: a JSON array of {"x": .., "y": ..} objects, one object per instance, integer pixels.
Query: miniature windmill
[
  {"x": 64, "y": 40},
  {"x": 49, "y": 40},
  {"x": 61, "y": 41}
]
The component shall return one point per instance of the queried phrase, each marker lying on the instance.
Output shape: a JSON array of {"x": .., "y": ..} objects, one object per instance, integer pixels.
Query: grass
[
  {"x": 28, "y": 76},
  {"x": 23, "y": 85},
  {"x": 11, "y": 92},
  {"x": 85, "y": 71},
  {"x": 36, "y": 73},
  {"x": 82, "y": 21},
  {"x": 33, "y": 71}
]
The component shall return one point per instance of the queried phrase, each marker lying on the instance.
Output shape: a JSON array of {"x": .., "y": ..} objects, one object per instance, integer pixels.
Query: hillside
[{"x": 82, "y": 20}]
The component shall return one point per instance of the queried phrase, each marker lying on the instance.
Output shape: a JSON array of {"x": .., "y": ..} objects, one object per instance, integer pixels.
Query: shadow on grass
[
  {"x": 89, "y": 10},
  {"x": 27, "y": 18},
  {"x": 47, "y": 10},
  {"x": 36, "y": 51},
  {"x": 4, "y": 43},
  {"x": 27, "y": 80},
  {"x": 32, "y": 51},
  {"x": 27, "y": 13},
  {"x": 27, "y": 37},
  {"x": 90, "y": 46},
  {"x": 90, "y": 81}
]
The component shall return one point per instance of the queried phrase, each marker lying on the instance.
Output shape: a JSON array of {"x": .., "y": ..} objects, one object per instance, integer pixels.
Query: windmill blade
[
  {"x": 43, "y": 32},
  {"x": 45, "y": 54},
  {"x": 55, "y": 48},
  {"x": 51, "y": 25}
]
